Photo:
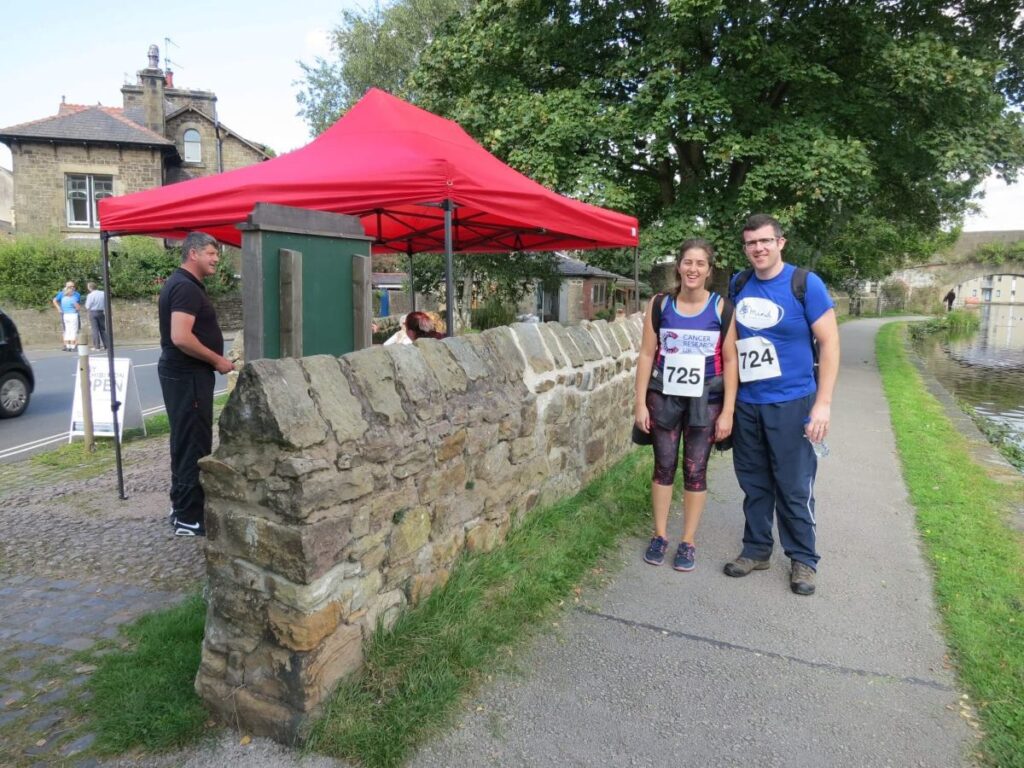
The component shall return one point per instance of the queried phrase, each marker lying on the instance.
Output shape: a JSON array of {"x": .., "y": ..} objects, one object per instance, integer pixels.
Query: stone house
[{"x": 64, "y": 163}]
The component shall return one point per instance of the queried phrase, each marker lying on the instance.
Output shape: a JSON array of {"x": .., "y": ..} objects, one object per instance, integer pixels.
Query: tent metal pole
[
  {"x": 449, "y": 279},
  {"x": 109, "y": 317},
  {"x": 412, "y": 282},
  {"x": 636, "y": 279}
]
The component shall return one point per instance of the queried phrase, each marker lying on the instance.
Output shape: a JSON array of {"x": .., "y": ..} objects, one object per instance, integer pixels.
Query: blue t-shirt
[
  {"x": 768, "y": 308},
  {"x": 67, "y": 303}
]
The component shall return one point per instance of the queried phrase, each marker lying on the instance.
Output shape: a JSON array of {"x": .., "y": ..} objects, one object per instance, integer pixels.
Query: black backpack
[{"x": 798, "y": 284}]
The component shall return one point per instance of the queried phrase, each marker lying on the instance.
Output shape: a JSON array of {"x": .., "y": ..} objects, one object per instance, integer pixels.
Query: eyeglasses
[{"x": 763, "y": 242}]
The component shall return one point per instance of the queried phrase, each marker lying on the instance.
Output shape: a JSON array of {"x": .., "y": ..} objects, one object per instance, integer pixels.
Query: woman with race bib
[{"x": 686, "y": 380}]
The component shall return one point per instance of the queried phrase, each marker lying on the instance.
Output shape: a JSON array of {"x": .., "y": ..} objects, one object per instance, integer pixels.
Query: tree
[
  {"x": 864, "y": 127},
  {"x": 500, "y": 276},
  {"x": 375, "y": 48}
]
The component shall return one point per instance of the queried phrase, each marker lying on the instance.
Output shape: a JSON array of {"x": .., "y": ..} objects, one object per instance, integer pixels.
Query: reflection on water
[{"x": 984, "y": 369}]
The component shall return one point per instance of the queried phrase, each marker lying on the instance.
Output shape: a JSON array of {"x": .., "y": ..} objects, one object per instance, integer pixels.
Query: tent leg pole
[
  {"x": 412, "y": 285},
  {"x": 636, "y": 279},
  {"x": 449, "y": 279},
  {"x": 109, "y": 317}
]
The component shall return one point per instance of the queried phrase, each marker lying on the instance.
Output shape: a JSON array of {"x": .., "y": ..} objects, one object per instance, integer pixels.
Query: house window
[
  {"x": 193, "y": 146},
  {"x": 82, "y": 192},
  {"x": 598, "y": 294}
]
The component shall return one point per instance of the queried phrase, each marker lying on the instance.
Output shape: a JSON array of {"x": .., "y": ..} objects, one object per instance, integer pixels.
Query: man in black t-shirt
[{"x": 192, "y": 348}]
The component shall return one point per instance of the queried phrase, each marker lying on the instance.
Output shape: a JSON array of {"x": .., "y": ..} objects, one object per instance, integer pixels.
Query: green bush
[
  {"x": 492, "y": 314},
  {"x": 33, "y": 269}
]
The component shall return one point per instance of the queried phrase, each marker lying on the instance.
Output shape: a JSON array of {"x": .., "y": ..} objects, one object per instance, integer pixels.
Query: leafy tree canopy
[{"x": 864, "y": 127}]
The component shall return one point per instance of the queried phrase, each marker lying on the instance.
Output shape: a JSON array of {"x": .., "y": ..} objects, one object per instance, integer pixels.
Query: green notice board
[
  {"x": 327, "y": 322},
  {"x": 312, "y": 266}
]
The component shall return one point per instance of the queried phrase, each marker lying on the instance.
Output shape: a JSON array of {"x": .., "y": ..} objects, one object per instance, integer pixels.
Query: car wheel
[{"x": 14, "y": 395}]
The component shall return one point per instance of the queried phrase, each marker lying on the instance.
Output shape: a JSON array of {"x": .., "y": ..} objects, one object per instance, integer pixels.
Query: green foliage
[
  {"x": 492, "y": 314},
  {"x": 1000, "y": 253},
  {"x": 962, "y": 517},
  {"x": 957, "y": 324},
  {"x": 506, "y": 277},
  {"x": 33, "y": 269},
  {"x": 144, "y": 696},
  {"x": 416, "y": 674},
  {"x": 863, "y": 128},
  {"x": 373, "y": 48}
]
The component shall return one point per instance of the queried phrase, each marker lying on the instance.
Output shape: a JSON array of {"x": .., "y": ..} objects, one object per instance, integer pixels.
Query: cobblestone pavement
[{"x": 75, "y": 563}]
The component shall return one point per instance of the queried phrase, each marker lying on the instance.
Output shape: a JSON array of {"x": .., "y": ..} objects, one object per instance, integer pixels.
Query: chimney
[
  {"x": 169, "y": 78},
  {"x": 152, "y": 81}
]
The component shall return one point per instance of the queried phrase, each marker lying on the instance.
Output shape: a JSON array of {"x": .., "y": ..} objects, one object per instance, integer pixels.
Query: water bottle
[{"x": 820, "y": 449}]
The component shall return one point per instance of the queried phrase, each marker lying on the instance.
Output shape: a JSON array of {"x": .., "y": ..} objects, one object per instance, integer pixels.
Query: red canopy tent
[
  {"x": 418, "y": 183},
  {"x": 395, "y": 166}
]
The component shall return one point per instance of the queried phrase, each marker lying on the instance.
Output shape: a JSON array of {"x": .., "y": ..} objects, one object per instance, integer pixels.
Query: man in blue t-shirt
[{"x": 780, "y": 408}]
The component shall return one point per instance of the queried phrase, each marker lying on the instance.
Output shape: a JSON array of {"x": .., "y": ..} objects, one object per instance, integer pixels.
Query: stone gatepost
[{"x": 344, "y": 489}]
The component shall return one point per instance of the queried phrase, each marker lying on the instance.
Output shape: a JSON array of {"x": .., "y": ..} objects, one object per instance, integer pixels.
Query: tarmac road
[{"x": 45, "y": 422}]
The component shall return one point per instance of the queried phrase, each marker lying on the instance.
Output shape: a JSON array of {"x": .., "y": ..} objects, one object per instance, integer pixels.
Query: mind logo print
[{"x": 757, "y": 313}]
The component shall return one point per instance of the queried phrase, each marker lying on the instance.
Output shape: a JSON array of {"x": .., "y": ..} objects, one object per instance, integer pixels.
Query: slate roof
[
  {"x": 569, "y": 267},
  {"x": 79, "y": 122}
]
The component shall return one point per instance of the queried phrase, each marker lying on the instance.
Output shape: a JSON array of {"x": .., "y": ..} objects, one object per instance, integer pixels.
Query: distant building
[
  {"x": 6, "y": 200},
  {"x": 161, "y": 135},
  {"x": 584, "y": 292}
]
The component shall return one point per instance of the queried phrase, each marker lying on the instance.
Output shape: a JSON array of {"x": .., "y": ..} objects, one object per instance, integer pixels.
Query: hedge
[{"x": 33, "y": 269}]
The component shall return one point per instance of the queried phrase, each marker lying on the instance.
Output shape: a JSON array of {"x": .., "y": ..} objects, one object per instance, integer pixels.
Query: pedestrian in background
[
  {"x": 66, "y": 302},
  {"x": 95, "y": 305},
  {"x": 192, "y": 349}
]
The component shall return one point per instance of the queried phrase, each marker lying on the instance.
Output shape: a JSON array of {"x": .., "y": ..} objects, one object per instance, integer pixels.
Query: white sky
[{"x": 246, "y": 52}]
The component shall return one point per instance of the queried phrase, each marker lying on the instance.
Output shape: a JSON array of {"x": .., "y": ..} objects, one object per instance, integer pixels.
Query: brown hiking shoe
[
  {"x": 801, "y": 578},
  {"x": 741, "y": 566}
]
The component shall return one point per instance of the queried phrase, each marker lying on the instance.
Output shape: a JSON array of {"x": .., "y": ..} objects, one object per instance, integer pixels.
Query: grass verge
[
  {"x": 416, "y": 673},
  {"x": 977, "y": 559},
  {"x": 143, "y": 696}
]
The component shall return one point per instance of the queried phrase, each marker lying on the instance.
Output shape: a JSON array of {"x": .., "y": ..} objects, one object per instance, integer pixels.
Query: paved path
[
  {"x": 698, "y": 669},
  {"x": 654, "y": 668}
]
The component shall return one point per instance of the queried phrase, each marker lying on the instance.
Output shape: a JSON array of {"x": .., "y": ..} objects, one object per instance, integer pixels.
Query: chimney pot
[
  {"x": 169, "y": 78},
  {"x": 154, "y": 57}
]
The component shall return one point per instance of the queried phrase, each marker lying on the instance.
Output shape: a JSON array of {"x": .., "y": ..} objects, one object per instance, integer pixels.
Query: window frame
[
  {"x": 198, "y": 144},
  {"x": 96, "y": 187}
]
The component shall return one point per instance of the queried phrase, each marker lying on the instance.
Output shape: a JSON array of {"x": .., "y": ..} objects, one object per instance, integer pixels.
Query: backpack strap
[
  {"x": 798, "y": 283},
  {"x": 727, "y": 311},
  {"x": 737, "y": 282},
  {"x": 659, "y": 299}
]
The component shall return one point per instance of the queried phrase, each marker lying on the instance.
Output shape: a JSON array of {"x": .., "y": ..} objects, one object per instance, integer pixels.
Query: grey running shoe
[
  {"x": 801, "y": 578},
  {"x": 741, "y": 566}
]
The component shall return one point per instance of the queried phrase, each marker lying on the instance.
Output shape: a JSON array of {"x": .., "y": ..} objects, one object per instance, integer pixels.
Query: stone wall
[
  {"x": 344, "y": 489},
  {"x": 134, "y": 320}
]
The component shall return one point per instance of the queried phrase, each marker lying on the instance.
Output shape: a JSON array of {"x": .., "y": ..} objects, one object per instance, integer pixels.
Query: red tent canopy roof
[{"x": 391, "y": 164}]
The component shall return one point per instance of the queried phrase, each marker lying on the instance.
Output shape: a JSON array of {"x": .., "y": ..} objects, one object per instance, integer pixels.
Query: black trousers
[
  {"x": 188, "y": 398},
  {"x": 98, "y": 321}
]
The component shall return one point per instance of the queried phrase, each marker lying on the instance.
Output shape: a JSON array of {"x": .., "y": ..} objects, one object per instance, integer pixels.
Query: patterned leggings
[{"x": 697, "y": 444}]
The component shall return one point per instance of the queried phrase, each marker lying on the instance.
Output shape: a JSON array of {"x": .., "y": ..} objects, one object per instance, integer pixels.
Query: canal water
[{"x": 985, "y": 369}]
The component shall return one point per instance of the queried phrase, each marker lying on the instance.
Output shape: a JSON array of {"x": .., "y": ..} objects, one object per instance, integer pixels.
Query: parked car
[{"x": 16, "y": 378}]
